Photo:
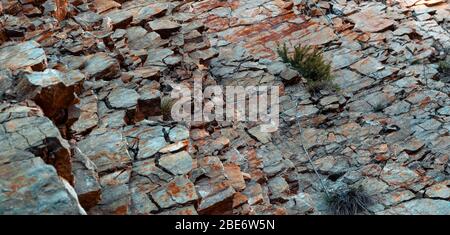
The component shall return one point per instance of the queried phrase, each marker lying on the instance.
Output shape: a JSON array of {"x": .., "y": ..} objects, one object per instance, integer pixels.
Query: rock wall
[{"x": 81, "y": 83}]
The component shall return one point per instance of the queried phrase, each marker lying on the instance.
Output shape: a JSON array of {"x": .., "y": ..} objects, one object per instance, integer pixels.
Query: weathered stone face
[
  {"x": 22, "y": 56},
  {"x": 370, "y": 20},
  {"x": 24, "y": 127},
  {"x": 86, "y": 177},
  {"x": 31, "y": 187},
  {"x": 96, "y": 74},
  {"x": 107, "y": 150},
  {"x": 52, "y": 90}
]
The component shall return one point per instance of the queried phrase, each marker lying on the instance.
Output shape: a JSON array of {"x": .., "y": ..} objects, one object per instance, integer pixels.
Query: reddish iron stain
[
  {"x": 121, "y": 210},
  {"x": 173, "y": 189}
]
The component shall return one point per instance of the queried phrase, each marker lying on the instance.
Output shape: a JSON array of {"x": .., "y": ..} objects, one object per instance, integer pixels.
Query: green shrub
[
  {"x": 309, "y": 62},
  {"x": 444, "y": 66},
  {"x": 349, "y": 202}
]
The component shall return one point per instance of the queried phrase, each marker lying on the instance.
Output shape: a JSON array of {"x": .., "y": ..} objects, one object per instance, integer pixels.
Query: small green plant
[
  {"x": 349, "y": 202},
  {"x": 378, "y": 108},
  {"x": 444, "y": 66},
  {"x": 166, "y": 107},
  {"x": 309, "y": 62}
]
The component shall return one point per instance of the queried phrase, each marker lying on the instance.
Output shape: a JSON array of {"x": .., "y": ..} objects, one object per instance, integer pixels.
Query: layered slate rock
[
  {"x": 101, "y": 66},
  {"x": 420, "y": 207},
  {"x": 87, "y": 184},
  {"x": 177, "y": 164},
  {"x": 123, "y": 98},
  {"x": 84, "y": 115},
  {"x": 31, "y": 187},
  {"x": 6, "y": 82},
  {"x": 116, "y": 196},
  {"x": 23, "y": 55},
  {"x": 52, "y": 90},
  {"x": 24, "y": 127},
  {"x": 106, "y": 149},
  {"x": 385, "y": 131},
  {"x": 371, "y": 19}
]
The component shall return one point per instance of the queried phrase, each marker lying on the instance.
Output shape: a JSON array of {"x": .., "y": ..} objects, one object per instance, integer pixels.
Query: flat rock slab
[
  {"x": 105, "y": 5},
  {"x": 420, "y": 207},
  {"x": 84, "y": 114},
  {"x": 32, "y": 187},
  {"x": 122, "y": 98},
  {"x": 23, "y": 55},
  {"x": 116, "y": 198},
  {"x": 149, "y": 140},
  {"x": 163, "y": 25},
  {"x": 368, "y": 66},
  {"x": 369, "y": 20},
  {"x": 101, "y": 66},
  {"x": 178, "y": 163},
  {"x": 26, "y": 128},
  {"x": 87, "y": 184},
  {"x": 108, "y": 150},
  {"x": 319, "y": 36}
]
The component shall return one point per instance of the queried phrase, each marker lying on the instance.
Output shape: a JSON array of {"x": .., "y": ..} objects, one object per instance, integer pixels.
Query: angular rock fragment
[
  {"x": 87, "y": 184},
  {"x": 370, "y": 20},
  {"x": 148, "y": 104},
  {"x": 88, "y": 20},
  {"x": 438, "y": 191},
  {"x": 175, "y": 147},
  {"x": 342, "y": 58},
  {"x": 84, "y": 114},
  {"x": 368, "y": 66},
  {"x": 278, "y": 187},
  {"x": 31, "y": 187},
  {"x": 178, "y": 133},
  {"x": 116, "y": 197},
  {"x": 6, "y": 82},
  {"x": 106, "y": 149},
  {"x": 52, "y": 90},
  {"x": 24, "y": 127},
  {"x": 177, "y": 164},
  {"x": 217, "y": 204},
  {"x": 398, "y": 175},
  {"x": 149, "y": 140},
  {"x": 156, "y": 56},
  {"x": 254, "y": 193},
  {"x": 123, "y": 98},
  {"x": 164, "y": 27},
  {"x": 120, "y": 18},
  {"x": 101, "y": 66},
  {"x": 141, "y": 203},
  {"x": 182, "y": 190},
  {"x": 304, "y": 203},
  {"x": 23, "y": 55},
  {"x": 395, "y": 198},
  {"x": 105, "y": 5},
  {"x": 235, "y": 176},
  {"x": 148, "y": 177},
  {"x": 261, "y": 136},
  {"x": 290, "y": 76},
  {"x": 139, "y": 38},
  {"x": 420, "y": 207},
  {"x": 319, "y": 36},
  {"x": 150, "y": 11},
  {"x": 204, "y": 56}
]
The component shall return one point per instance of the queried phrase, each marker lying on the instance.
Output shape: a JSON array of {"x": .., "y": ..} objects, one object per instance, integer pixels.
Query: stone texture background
[{"x": 82, "y": 132}]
